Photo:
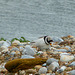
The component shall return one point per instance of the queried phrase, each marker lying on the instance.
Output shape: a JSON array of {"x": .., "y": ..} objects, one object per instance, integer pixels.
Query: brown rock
[
  {"x": 37, "y": 67},
  {"x": 68, "y": 69},
  {"x": 31, "y": 71},
  {"x": 23, "y": 64}
]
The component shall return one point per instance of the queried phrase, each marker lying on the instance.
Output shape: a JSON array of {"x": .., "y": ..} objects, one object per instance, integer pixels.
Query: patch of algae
[{"x": 23, "y": 64}]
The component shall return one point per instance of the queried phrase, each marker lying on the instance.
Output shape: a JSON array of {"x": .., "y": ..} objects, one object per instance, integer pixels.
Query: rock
[
  {"x": 65, "y": 54},
  {"x": 61, "y": 69},
  {"x": 40, "y": 52},
  {"x": 29, "y": 51},
  {"x": 57, "y": 39},
  {"x": 3, "y": 71},
  {"x": 50, "y": 74},
  {"x": 50, "y": 60},
  {"x": 22, "y": 72},
  {"x": 31, "y": 71},
  {"x": 23, "y": 64},
  {"x": 37, "y": 67},
  {"x": 21, "y": 49},
  {"x": 66, "y": 58},
  {"x": 5, "y": 43},
  {"x": 42, "y": 70},
  {"x": 44, "y": 65},
  {"x": 15, "y": 43},
  {"x": 26, "y": 56},
  {"x": 15, "y": 49},
  {"x": 2, "y": 66},
  {"x": 72, "y": 64},
  {"x": 61, "y": 50},
  {"x": 53, "y": 66},
  {"x": 44, "y": 55},
  {"x": 56, "y": 46},
  {"x": 13, "y": 53},
  {"x": 68, "y": 69},
  {"x": 71, "y": 72},
  {"x": 68, "y": 47},
  {"x": 3, "y": 49}
]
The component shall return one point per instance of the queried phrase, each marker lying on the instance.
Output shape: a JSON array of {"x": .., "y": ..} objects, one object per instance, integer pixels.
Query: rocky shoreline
[{"x": 60, "y": 57}]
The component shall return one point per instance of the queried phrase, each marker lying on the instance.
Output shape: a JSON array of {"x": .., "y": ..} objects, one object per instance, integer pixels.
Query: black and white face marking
[{"x": 47, "y": 40}]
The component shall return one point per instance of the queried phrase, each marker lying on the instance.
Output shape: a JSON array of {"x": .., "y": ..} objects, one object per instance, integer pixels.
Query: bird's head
[{"x": 48, "y": 40}]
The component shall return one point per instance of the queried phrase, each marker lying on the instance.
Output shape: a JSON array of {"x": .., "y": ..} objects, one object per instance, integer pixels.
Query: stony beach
[{"x": 60, "y": 58}]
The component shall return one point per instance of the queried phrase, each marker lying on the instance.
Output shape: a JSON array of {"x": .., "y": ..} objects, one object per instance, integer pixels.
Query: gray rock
[
  {"x": 42, "y": 70},
  {"x": 44, "y": 65},
  {"x": 65, "y": 54},
  {"x": 21, "y": 49},
  {"x": 4, "y": 49},
  {"x": 15, "y": 49},
  {"x": 29, "y": 51},
  {"x": 66, "y": 58},
  {"x": 71, "y": 72},
  {"x": 13, "y": 53},
  {"x": 72, "y": 64},
  {"x": 50, "y": 74},
  {"x": 26, "y": 56},
  {"x": 57, "y": 39},
  {"x": 5, "y": 43},
  {"x": 68, "y": 47},
  {"x": 61, "y": 50},
  {"x": 49, "y": 61},
  {"x": 53, "y": 66},
  {"x": 61, "y": 69}
]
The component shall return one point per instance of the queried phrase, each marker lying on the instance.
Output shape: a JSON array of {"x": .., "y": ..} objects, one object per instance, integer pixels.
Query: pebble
[
  {"x": 61, "y": 50},
  {"x": 68, "y": 69},
  {"x": 29, "y": 51},
  {"x": 15, "y": 49},
  {"x": 15, "y": 43},
  {"x": 71, "y": 72},
  {"x": 13, "y": 53},
  {"x": 42, "y": 70},
  {"x": 37, "y": 67},
  {"x": 44, "y": 65},
  {"x": 26, "y": 56},
  {"x": 30, "y": 71},
  {"x": 68, "y": 47},
  {"x": 72, "y": 64},
  {"x": 66, "y": 58},
  {"x": 61, "y": 69},
  {"x": 57, "y": 39},
  {"x": 50, "y": 60},
  {"x": 5, "y": 43},
  {"x": 22, "y": 72},
  {"x": 53, "y": 66},
  {"x": 4, "y": 49}
]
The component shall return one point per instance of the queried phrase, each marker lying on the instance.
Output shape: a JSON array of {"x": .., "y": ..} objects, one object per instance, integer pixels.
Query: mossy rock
[{"x": 23, "y": 64}]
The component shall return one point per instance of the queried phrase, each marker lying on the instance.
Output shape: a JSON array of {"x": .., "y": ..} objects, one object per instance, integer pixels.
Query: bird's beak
[{"x": 51, "y": 44}]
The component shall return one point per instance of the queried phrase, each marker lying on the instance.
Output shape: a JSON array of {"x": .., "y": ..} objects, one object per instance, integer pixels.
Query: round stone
[
  {"x": 50, "y": 60},
  {"x": 42, "y": 70},
  {"x": 26, "y": 56}
]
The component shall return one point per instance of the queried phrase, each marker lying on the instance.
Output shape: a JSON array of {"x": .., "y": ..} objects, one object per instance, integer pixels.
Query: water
[{"x": 35, "y": 18}]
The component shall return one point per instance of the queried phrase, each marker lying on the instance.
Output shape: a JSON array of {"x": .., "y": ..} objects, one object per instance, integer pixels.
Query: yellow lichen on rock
[{"x": 23, "y": 64}]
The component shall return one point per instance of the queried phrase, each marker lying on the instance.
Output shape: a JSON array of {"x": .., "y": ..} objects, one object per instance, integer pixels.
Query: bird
[{"x": 43, "y": 42}]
